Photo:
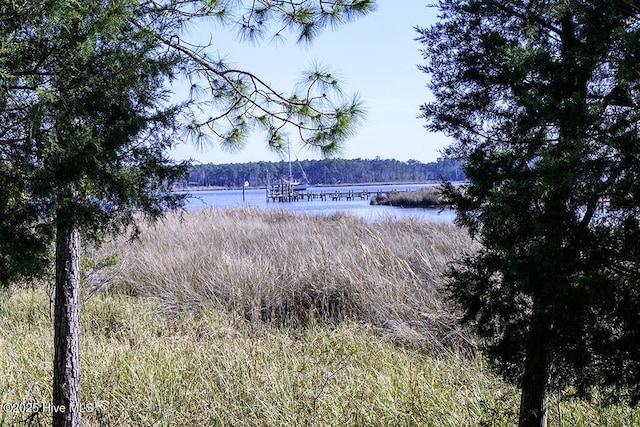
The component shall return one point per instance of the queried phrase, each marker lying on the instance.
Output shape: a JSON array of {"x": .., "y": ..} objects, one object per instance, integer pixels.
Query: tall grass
[
  {"x": 179, "y": 331},
  {"x": 290, "y": 269},
  {"x": 141, "y": 367},
  {"x": 427, "y": 197}
]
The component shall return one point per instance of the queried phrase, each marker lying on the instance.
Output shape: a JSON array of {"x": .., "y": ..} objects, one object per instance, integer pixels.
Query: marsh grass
[
  {"x": 278, "y": 267},
  {"x": 141, "y": 367},
  {"x": 249, "y": 318},
  {"x": 427, "y": 197}
]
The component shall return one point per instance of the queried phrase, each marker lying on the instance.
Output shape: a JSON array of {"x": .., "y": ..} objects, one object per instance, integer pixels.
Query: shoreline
[{"x": 382, "y": 184}]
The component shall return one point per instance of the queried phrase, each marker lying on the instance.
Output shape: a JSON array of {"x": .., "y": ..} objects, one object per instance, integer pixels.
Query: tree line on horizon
[{"x": 326, "y": 171}]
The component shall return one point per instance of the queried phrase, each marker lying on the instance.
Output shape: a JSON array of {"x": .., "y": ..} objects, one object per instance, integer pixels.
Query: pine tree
[
  {"x": 88, "y": 123},
  {"x": 542, "y": 101}
]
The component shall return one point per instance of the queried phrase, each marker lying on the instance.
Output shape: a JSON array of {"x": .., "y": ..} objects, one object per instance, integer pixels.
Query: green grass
[
  {"x": 141, "y": 367},
  {"x": 166, "y": 357}
]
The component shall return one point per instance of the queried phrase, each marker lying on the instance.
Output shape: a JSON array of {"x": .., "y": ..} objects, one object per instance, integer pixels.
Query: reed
[
  {"x": 291, "y": 269},
  {"x": 143, "y": 367},
  {"x": 178, "y": 329},
  {"x": 427, "y": 197}
]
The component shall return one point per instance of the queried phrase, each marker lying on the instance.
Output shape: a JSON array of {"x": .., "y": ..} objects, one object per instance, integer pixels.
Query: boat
[
  {"x": 296, "y": 184},
  {"x": 286, "y": 189}
]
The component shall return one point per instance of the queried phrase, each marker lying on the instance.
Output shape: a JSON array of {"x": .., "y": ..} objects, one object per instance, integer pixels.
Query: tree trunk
[
  {"x": 534, "y": 399},
  {"x": 66, "y": 364}
]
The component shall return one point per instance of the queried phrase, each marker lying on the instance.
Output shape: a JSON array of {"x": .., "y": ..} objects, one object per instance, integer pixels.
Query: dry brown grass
[
  {"x": 427, "y": 197},
  {"x": 292, "y": 270},
  {"x": 346, "y": 280}
]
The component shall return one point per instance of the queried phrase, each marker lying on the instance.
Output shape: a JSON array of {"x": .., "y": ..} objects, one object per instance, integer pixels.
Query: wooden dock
[{"x": 278, "y": 195}]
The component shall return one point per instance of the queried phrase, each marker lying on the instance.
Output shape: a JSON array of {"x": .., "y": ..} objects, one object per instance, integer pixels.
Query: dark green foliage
[
  {"x": 25, "y": 229},
  {"x": 24, "y": 233},
  {"x": 326, "y": 171},
  {"x": 427, "y": 197},
  {"x": 93, "y": 134},
  {"x": 542, "y": 99}
]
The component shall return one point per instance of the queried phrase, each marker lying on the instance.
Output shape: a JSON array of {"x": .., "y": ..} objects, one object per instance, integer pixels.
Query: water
[{"x": 256, "y": 198}]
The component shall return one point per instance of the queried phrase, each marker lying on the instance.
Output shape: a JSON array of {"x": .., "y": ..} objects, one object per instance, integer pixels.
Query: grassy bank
[
  {"x": 427, "y": 197},
  {"x": 182, "y": 331},
  {"x": 288, "y": 269},
  {"x": 142, "y": 367}
]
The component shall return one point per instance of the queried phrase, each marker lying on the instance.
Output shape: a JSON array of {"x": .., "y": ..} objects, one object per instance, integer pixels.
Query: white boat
[
  {"x": 287, "y": 188},
  {"x": 295, "y": 184}
]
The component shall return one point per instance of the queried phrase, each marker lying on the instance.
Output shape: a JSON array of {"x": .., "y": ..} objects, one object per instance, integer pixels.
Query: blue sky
[{"x": 375, "y": 56}]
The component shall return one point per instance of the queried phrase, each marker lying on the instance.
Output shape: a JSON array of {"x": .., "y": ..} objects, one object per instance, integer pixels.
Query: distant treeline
[{"x": 328, "y": 172}]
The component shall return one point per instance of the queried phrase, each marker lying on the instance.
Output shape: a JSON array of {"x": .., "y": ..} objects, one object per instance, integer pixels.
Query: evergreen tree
[
  {"x": 25, "y": 232},
  {"x": 326, "y": 171},
  {"x": 88, "y": 124},
  {"x": 91, "y": 154},
  {"x": 541, "y": 98}
]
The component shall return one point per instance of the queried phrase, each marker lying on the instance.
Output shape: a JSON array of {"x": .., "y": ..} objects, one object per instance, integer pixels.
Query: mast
[{"x": 290, "y": 171}]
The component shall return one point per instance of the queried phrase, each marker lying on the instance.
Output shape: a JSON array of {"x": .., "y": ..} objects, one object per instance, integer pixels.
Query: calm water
[{"x": 256, "y": 198}]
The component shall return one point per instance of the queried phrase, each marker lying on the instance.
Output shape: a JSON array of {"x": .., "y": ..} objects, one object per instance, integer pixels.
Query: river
[{"x": 256, "y": 198}]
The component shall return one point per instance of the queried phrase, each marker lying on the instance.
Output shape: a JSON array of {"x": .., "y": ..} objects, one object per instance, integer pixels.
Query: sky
[{"x": 375, "y": 57}]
